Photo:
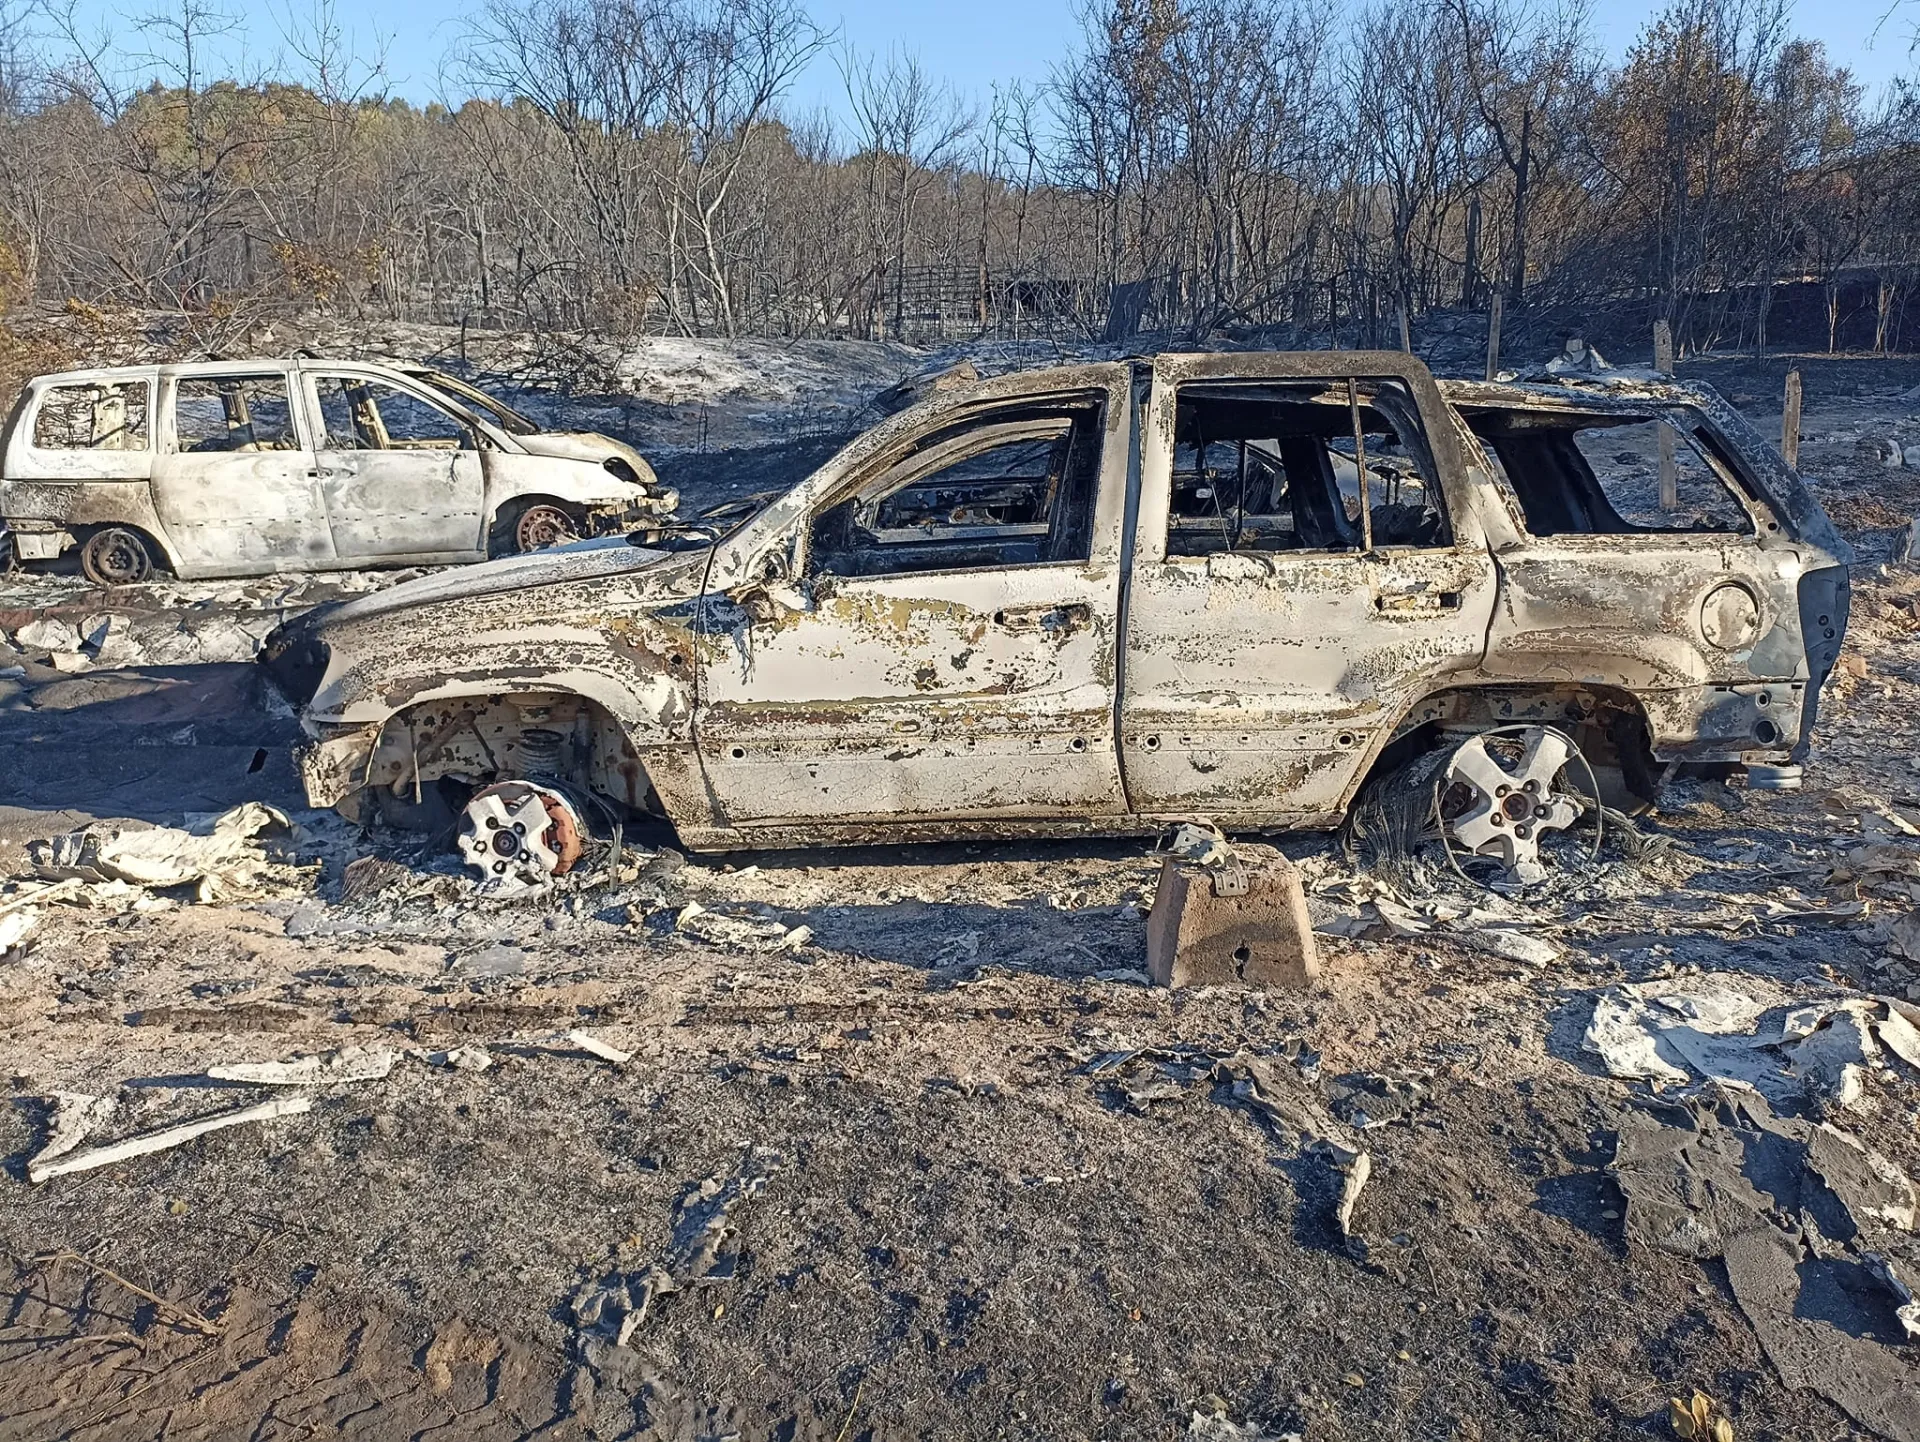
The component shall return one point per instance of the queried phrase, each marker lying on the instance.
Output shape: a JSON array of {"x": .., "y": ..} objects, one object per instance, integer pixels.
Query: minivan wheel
[
  {"x": 542, "y": 526},
  {"x": 116, "y": 556}
]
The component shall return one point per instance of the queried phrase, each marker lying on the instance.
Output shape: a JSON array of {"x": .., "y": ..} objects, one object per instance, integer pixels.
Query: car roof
[{"x": 190, "y": 369}]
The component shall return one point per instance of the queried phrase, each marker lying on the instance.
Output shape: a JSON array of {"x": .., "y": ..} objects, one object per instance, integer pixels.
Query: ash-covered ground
[{"x": 969, "y": 1176}]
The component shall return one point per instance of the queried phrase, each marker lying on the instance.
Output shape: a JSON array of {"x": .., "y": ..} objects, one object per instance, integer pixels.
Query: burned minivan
[
  {"x": 1107, "y": 597},
  {"x": 248, "y": 468}
]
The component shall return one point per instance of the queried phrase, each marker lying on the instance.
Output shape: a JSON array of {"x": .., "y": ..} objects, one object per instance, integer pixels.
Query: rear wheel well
[
  {"x": 1608, "y": 724},
  {"x": 85, "y": 537}
]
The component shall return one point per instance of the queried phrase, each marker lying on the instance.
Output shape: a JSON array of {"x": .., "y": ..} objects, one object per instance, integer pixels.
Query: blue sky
[{"x": 981, "y": 42}]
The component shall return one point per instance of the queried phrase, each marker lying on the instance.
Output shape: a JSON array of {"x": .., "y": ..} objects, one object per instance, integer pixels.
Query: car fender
[{"x": 586, "y": 484}]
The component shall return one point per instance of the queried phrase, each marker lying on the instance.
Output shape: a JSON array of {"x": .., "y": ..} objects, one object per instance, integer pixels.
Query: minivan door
[
  {"x": 401, "y": 475},
  {"x": 1308, "y": 564},
  {"x": 234, "y": 480}
]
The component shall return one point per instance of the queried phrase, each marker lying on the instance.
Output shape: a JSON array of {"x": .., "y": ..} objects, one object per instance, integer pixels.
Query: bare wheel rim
[
  {"x": 116, "y": 557},
  {"x": 542, "y": 526}
]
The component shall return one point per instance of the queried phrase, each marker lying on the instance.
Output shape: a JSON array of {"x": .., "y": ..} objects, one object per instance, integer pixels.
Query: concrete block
[{"x": 1244, "y": 924}]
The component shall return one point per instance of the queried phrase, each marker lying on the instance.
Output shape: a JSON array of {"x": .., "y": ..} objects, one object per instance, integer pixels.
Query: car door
[
  {"x": 234, "y": 480},
  {"x": 947, "y": 648},
  {"x": 1281, "y": 615},
  {"x": 401, "y": 474}
]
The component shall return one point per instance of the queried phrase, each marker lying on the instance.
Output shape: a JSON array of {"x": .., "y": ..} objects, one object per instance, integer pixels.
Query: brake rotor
[
  {"x": 1502, "y": 810},
  {"x": 520, "y": 835}
]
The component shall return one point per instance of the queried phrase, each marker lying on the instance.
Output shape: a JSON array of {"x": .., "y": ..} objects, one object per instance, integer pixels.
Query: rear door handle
[
  {"x": 1068, "y": 617},
  {"x": 1415, "y": 603}
]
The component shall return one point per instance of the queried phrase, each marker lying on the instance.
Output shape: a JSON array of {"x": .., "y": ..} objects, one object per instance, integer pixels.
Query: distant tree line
[{"x": 634, "y": 167}]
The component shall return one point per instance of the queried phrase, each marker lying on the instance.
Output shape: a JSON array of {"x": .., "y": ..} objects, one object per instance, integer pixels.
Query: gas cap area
[{"x": 1730, "y": 617}]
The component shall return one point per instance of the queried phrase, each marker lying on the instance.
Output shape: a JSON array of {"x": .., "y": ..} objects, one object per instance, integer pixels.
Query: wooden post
[
  {"x": 1663, "y": 362},
  {"x": 1406, "y": 331},
  {"x": 1790, "y": 422},
  {"x": 1493, "y": 333}
]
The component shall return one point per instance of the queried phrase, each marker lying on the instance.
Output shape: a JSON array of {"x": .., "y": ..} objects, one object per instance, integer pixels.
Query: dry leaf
[
  {"x": 1722, "y": 1430},
  {"x": 1679, "y": 1418}
]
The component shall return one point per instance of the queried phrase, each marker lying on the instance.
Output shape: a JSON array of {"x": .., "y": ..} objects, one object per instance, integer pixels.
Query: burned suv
[{"x": 1103, "y": 598}]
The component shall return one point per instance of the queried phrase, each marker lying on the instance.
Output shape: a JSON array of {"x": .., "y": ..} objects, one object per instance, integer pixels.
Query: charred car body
[
  {"x": 246, "y": 468},
  {"x": 1107, "y": 597}
]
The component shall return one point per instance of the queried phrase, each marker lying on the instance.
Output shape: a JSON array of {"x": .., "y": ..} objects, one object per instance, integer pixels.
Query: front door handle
[{"x": 1070, "y": 616}]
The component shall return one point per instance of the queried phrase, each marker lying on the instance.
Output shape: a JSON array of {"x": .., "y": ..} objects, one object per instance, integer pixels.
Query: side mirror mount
[{"x": 767, "y": 603}]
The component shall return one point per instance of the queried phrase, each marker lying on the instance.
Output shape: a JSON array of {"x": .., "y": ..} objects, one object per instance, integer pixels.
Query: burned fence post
[
  {"x": 1663, "y": 362},
  {"x": 1493, "y": 335},
  {"x": 1790, "y": 421}
]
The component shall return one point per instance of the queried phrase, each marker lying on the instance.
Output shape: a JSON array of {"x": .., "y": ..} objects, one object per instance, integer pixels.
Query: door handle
[
  {"x": 1416, "y": 603},
  {"x": 1070, "y": 616}
]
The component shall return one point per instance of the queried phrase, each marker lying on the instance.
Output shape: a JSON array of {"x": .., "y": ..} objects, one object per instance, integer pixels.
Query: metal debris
[
  {"x": 703, "y": 1252},
  {"x": 1907, "y": 1310},
  {"x": 76, "y": 1115},
  {"x": 348, "y": 1064},
  {"x": 1832, "y": 1060},
  {"x": 1215, "y": 1427},
  {"x": 1277, "y": 1094},
  {"x": 17, "y": 928},
  {"x": 1708, "y": 1180},
  {"x": 281, "y": 1106},
  {"x": 462, "y": 1058},
  {"x": 1202, "y": 843},
  {"x": 221, "y": 852},
  {"x": 742, "y": 932},
  {"x": 1510, "y": 944},
  {"x": 1672, "y": 1031}
]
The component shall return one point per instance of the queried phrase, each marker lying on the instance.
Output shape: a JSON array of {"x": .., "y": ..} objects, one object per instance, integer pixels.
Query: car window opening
[
  {"x": 1016, "y": 487},
  {"x": 1301, "y": 466},
  {"x": 364, "y": 415},
  {"x": 233, "y": 413},
  {"x": 1590, "y": 474},
  {"x": 105, "y": 417}
]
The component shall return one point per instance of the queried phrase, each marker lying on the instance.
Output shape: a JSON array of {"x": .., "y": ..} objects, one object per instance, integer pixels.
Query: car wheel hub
[
  {"x": 1501, "y": 808},
  {"x": 520, "y": 835}
]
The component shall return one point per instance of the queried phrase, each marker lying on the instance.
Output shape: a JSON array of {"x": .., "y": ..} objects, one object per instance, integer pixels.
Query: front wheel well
[
  {"x": 476, "y": 740},
  {"x": 501, "y": 538}
]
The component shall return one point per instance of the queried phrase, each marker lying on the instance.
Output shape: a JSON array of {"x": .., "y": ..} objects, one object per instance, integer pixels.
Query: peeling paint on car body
[{"x": 1081, "y": 679}]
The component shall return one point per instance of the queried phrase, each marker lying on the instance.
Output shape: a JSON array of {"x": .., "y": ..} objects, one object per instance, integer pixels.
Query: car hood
[
  {"x": 585, "y": 446},
  {"x": 578, "y": 561}
]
